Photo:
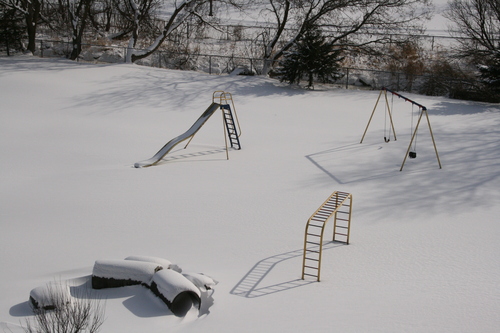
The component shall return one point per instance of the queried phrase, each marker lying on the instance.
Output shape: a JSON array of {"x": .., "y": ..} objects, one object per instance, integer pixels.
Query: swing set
[{"x": 412, "y": 147}]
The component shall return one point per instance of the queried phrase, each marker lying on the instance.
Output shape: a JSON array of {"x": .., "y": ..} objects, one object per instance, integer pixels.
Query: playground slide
[{"x": 172, "y": 143}]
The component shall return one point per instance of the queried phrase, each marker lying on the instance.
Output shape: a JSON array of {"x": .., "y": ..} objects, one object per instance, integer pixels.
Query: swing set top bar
[{"x": 405, "y": 98}]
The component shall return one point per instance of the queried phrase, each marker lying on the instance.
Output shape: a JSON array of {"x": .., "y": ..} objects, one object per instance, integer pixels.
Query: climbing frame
[{"x": 339, "y": 206}]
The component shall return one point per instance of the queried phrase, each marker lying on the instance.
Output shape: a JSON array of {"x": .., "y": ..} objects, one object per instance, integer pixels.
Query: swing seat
[{"x": 412, "y": 154}]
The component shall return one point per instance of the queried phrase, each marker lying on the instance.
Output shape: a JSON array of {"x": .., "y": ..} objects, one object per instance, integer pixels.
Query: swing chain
[{"x": 413, "y": 152}]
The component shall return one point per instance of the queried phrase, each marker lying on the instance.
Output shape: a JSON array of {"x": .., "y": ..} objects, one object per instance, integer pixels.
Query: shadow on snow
[{"x": 252, "y": 286}]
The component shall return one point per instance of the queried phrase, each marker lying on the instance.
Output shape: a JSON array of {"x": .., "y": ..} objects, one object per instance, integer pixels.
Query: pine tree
[
  {"x": 12, "y": 30},
  {"x": 312, "y": 57},
  {"x": 490, "y": 74}
]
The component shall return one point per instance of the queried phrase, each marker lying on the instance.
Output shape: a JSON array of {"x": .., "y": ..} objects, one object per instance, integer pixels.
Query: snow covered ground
[{"x": 424, "y": 242}]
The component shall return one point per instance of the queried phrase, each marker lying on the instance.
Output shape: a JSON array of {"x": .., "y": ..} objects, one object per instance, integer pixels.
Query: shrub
[{"x": 84, "y": 313}]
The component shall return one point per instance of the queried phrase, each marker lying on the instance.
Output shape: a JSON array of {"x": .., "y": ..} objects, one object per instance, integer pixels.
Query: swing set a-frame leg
[
  {"x": 373, "y": 112},
  {"x": 433, "y": 142},
  {"x": 413, "y": 138}
]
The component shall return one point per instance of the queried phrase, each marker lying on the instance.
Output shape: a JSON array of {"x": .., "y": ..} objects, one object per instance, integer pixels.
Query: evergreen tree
[
  {"x": 312, "y": 57},
  {"x": 12, "y": 29},
  {"x": 490, "y": 74}
]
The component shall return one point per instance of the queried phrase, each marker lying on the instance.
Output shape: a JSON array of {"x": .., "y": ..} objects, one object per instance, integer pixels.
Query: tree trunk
[
  {"x": 80, "y": 15},
  {"x": 32, "y": 14}
]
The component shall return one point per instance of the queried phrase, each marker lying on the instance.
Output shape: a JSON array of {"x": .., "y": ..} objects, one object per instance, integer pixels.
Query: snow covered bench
[
  {"x": 180, "y": 292},
  {"x": 120, "y": 273},
  {"x": 50, "y": 296}
]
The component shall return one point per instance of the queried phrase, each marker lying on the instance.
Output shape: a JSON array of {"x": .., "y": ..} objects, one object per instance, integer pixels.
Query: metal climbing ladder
[
  {"x": 339, "y": 206},
  {"x": 231, "y": 131},
  {"x": 231, "y": 124}
]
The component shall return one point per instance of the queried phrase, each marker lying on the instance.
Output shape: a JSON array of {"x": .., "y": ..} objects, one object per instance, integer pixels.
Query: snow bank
[
  {"x": 120, "y": 273},
  {"x": 176, "y": 291},
  {"x": 50, "y": 296},
  {"x": 160, "y": 261}
]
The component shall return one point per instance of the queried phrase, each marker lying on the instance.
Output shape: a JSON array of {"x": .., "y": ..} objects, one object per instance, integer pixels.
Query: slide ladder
[
  {"x": 231, "y": 123},
  {"x": 337, "y": 205},
  {"x": 231, "y": 131}
]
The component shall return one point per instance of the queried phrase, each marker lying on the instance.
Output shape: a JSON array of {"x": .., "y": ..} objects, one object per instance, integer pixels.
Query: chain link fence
[{"x": 223, "y": 64}]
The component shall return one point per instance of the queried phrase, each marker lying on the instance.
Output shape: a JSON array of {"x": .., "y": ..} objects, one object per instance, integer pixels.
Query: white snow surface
[
  {"x": 423, "y": 252},
  {"x": 171, "y": 283},
  {"x": 126, "y": 269}
]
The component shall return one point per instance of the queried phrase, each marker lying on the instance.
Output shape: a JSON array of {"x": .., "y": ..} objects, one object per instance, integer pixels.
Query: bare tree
[
  {"x": 101, "y": 16},
  {"x": 136, "y": 17},
  {"x": 139, "y": 9},
  {"x": 341, "y": 20},
  {"x": 479, "y": 22},
  {"x": 180, "y": 12},
  {"x": 78, "y": 18}
]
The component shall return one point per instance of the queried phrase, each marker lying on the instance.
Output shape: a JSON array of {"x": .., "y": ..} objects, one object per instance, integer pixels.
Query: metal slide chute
[{"x": 175, "y": 141}]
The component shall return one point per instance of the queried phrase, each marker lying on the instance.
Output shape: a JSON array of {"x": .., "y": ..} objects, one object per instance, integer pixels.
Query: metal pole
[
  {"x": 225, "y": 130},
  {"x": 374, "y": 108},
  {"x": 432, "y": 136},
  {"x": 347, "y": 79},
  {"x": 304, "y": 252},
  {"x": 390, "y": 116},
  {"x": 412, "y": 138},
  {"x": 350, "y": 214}
]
